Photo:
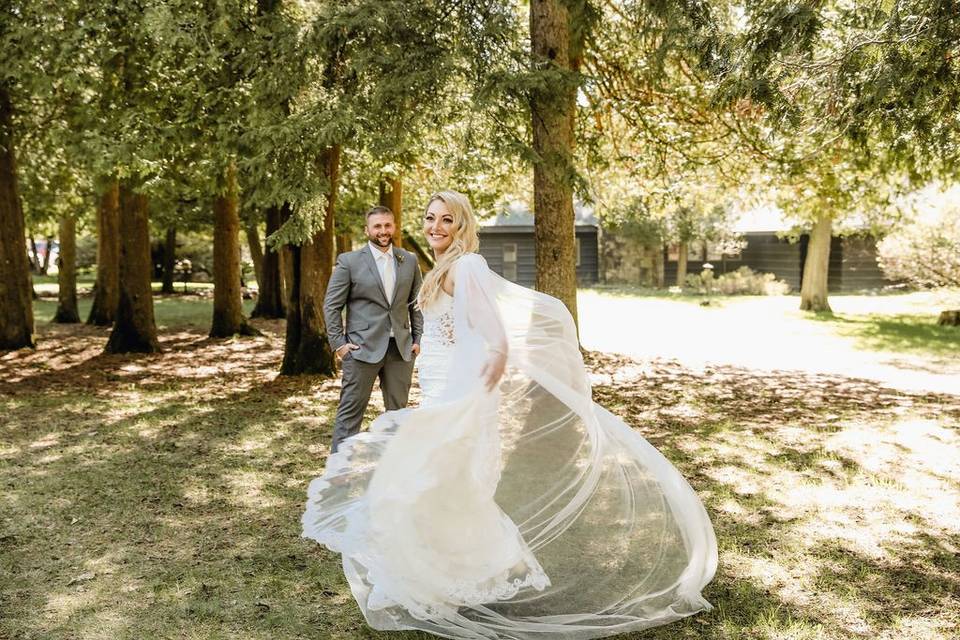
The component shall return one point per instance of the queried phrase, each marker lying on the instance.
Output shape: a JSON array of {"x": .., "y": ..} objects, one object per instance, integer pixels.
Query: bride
[{"x": 508, "y": 505}]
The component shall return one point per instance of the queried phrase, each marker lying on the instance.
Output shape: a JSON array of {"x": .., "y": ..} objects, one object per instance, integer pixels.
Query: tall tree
[
  {"x": 228, "y": 317},
  {"x": 256, "y": 250},
  {"x": 557, "y": 32},
  {"x": 307, "y": 349},
  {"x": 106, "y": 288},
  {"x": 134, "y": 329},
  {"x": 67, "y": 311},
  {"x": 16, "y": 310},
  {"x": 271, "y": 296}
]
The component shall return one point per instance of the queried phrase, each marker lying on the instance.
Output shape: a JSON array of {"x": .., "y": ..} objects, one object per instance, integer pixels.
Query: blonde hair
[{"x": 465, "y": 240}]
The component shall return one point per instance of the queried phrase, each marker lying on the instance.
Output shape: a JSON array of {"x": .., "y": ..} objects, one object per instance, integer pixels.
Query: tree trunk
[
  {"x": 344, "y": 243},
  {"x": 169, "y": 260},
  {"x": 106, "y": 289},
  {"x": 816, "y": 267},
  {"x": 34, "y": 256},
  {"x": 659, "y": 267},
  {"x": 553, "y": 110},
  {"x": 270, "y": 299},
  {"x": 48, "y": 251},
  {"x": 683, "y": 251},
  {"x": 67, "y": 272},
  {"x": 256, "y": 252},
  {"x": 228, "y": 317},
  {"x": 391, "y": 196},
  {"x": 949, "y": 318},
  {"x": 16, "y": 293},
  {"x": 287, "y": 260},
  {"x": 307, "y": 349},
  {"x": 134, "y": 329}
]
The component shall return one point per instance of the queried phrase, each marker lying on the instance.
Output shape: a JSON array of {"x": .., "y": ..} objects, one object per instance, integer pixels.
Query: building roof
[{"x": 517, "y": 215}]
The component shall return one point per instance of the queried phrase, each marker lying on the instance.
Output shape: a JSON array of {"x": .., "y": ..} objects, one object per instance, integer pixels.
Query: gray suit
[{"x": 356, "y": 286}]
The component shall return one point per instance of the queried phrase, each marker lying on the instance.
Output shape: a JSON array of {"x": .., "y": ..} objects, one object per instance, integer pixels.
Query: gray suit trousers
[{"x": 395, "y": 374}]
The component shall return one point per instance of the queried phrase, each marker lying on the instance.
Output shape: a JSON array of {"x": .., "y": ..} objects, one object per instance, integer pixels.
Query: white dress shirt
[{"x": 387, "y": 269}]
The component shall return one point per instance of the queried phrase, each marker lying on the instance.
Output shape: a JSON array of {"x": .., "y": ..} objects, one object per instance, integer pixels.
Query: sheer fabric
[{"x": 524, "y": 513}]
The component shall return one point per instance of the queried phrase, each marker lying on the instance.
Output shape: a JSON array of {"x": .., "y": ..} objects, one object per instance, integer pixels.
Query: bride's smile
[{"x": 437, "y": 226}]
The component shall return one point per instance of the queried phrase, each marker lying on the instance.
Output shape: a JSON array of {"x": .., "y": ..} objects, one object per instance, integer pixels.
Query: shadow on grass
[
  {"x": 160, "y": 496},
  {"x": 823, "y": 492},
  {"x": 915, "y": 333}
]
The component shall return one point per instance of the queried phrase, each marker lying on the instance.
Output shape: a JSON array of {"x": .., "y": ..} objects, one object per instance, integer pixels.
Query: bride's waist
[{"x": 438, "y": 343}]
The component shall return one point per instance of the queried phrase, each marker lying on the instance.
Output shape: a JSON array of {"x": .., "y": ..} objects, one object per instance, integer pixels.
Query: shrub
[
  {"x": 925, "y": 249},
  {"x": 743, "y": 281}
]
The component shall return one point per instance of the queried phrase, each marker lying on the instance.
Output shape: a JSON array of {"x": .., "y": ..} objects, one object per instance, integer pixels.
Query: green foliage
[
  {"x": 885, "y": 77},
  {"x": 924, "y": 248}
]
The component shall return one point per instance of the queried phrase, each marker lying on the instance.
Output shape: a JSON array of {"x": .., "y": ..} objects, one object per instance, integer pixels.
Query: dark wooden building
[
  {"x": 507, "y": 243},
  {"x": 853, "y": 260}
]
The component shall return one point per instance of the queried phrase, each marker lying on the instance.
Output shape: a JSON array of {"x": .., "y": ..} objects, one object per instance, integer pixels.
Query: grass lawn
[{"x": 159, "y": 496}]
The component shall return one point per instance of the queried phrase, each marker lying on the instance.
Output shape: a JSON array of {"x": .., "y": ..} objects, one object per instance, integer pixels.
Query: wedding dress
[{"x": 528, "y": 512}]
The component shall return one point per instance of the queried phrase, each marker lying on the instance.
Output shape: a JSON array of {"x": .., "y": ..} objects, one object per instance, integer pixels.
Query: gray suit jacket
[{"x": 356, "y": 286}]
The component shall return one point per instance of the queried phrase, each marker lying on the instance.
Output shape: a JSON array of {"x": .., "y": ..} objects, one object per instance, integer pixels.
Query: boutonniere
[{"x": 399, "y": 257}]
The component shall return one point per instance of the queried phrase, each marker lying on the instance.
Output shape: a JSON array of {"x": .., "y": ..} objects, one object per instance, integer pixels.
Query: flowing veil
[{"x": 527, "y": 512}]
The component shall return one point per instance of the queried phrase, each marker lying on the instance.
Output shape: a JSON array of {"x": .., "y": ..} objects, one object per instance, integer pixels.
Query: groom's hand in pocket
[{"x": 345, "y": 349}]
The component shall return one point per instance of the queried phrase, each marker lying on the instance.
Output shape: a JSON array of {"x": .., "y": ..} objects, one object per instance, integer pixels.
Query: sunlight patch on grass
[
  {"x": 49, "y": 440},
  {"x": 247, "y": 490}
]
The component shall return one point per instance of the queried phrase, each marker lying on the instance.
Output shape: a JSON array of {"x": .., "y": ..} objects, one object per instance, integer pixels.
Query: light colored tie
[{"x": 388, "y": 277}]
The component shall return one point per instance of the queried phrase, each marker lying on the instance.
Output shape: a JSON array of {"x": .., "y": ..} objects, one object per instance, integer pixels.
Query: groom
[{"x": 378, "y": 285}]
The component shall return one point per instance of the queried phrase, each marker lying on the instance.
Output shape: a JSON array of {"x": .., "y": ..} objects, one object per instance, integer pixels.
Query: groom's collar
[{"x": 376, "y": 250}]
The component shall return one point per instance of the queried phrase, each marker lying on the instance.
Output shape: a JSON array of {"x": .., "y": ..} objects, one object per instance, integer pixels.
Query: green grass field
[{"x": 159, "y": 496}]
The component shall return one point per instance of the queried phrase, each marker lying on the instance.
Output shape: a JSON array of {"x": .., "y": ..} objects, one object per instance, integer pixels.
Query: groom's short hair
[{"x": 378, "y": 210}]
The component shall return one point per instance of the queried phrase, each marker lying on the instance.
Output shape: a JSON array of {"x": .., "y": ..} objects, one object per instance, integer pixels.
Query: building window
[
  {"x": 510, "y": 261},
  {"x": 578, "y": 251}
]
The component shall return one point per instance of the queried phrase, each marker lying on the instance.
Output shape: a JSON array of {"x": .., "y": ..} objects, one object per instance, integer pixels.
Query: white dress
[
  {"x": 524, "y": 513},
  {"x": 436, "y": 349}
]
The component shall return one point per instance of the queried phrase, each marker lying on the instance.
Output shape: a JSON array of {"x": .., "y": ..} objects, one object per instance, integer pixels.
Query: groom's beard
[{"x": 381, "y": 241}]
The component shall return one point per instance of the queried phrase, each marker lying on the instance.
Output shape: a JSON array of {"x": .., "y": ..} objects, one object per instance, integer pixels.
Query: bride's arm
[{"x": 472, "y": 283}]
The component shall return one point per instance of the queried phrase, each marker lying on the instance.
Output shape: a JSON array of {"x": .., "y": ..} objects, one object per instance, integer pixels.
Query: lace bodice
[{"x": 438, "y": 321}]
